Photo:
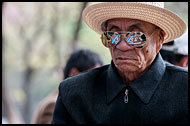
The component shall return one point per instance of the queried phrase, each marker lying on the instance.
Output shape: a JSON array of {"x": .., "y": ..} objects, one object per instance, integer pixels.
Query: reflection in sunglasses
[{"x": 135, "y": 39}]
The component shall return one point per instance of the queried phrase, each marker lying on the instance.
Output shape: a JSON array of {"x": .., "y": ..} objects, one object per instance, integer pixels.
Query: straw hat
[{"x": 153, "y": 12}]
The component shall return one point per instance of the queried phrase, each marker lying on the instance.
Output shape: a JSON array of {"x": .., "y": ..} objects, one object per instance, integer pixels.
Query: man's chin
[{"x": 126, "y": 68}]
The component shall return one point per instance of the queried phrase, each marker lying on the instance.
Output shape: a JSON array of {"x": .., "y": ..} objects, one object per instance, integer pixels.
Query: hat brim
[{"x": 172, "y": 24}]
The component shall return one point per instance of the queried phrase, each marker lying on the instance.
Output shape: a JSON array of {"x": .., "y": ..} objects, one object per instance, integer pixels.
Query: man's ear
[
  {"x": 161, "y": 35},
  {"x": 73, "y": 71}
]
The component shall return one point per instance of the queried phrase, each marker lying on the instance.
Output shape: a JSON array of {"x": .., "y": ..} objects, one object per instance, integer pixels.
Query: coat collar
[
  {"x": 144, "y": 86},
  {"x": 114, "y": 83}
]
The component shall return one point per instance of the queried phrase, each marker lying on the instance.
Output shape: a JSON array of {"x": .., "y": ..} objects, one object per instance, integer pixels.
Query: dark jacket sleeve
[{"x": 60, "y": 114}]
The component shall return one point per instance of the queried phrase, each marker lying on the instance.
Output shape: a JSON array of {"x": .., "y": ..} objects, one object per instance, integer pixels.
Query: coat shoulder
[
  {"x": 83, "y": 80},
  {"x": 176, "y": 75},
  {"x": 176, "y": 69}
]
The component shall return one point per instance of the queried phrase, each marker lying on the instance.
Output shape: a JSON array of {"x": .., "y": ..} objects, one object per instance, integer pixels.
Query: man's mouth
[{"x": 125, "y": 59}]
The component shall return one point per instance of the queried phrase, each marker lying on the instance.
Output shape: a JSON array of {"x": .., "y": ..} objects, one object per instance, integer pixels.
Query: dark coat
[{"x": 160, "y": 95}]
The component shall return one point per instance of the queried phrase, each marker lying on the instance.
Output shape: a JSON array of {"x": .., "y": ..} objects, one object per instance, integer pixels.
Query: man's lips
[{"x": 125, "y": 59}]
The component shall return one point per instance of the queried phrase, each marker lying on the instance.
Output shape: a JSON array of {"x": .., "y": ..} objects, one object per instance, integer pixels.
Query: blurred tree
[
  {"x": 27, "y": 50},
  {"x": 30, "y": 42},
  {"x": 76, "y": 33},
  {"x": 8, "y": 108},
  {"x": 54, "y": 37}
]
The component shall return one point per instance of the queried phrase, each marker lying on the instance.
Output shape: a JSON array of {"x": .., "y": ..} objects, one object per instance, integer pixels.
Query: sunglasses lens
[
  {"x": 136, "y": 39},
  {"x": 109, "y": 39},
  {"x": 109, "y": 34},
  {"x": 143, "y": 37},
  {"x": 115, "y": 38}
]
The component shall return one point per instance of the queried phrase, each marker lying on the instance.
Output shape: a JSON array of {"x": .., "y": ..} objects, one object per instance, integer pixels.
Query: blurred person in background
[
  {"x": 79, "y": 61},
  {"x": 176, "y": 51}
]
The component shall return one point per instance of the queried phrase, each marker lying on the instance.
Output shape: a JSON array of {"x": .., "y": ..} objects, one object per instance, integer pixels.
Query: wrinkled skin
[{"x": 133, "y": 62}]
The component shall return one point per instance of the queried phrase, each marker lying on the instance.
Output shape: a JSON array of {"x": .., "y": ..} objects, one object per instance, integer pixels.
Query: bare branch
[{"x": 76, "y": 33}]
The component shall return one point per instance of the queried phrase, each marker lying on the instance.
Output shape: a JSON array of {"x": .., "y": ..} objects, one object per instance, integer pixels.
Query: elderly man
[{"x": 137, "y": 87}]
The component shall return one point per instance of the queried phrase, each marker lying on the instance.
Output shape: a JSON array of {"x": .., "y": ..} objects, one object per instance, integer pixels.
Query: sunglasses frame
[{"x": 109, "y": 42}]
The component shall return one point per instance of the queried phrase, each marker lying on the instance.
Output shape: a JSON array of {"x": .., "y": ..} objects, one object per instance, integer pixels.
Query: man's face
[{"x": 130, "y": 59}]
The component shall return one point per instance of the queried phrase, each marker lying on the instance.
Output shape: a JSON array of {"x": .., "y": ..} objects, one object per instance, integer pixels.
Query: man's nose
[{"x": 123, "y": 46}]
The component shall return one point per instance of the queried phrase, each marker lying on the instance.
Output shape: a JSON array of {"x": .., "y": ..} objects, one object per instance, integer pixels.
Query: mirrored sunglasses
[{"x": 134, "y": 39}]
